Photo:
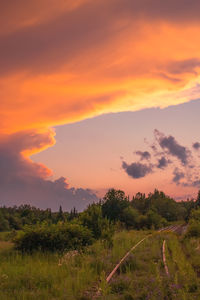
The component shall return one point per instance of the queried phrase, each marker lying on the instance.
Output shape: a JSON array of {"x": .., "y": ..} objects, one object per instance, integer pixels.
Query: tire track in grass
[
  {"x": 164, "y": 259},
  {"x": 171, "y": 228},
  {"x": 108, "y": 278},
  {"x": 123, "y": 259}
]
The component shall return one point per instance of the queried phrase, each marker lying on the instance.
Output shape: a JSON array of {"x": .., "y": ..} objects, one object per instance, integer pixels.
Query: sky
[{"x": 97, "y": 94}]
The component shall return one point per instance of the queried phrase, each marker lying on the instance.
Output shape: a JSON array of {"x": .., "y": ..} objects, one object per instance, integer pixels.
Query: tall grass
[
  {"x": 79, "y": 275},
  {"x": 52, "y": 276},
  {"x": 183, "y": 278},
  {"x": 191, "y": 248},
  {"x": 140, "y": 277}
]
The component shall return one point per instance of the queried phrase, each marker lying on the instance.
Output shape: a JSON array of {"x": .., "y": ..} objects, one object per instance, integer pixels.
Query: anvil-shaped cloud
[{"x": 23, "y": 181}]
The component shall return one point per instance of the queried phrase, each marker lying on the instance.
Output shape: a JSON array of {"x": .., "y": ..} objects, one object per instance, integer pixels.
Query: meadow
[
  {"x": 55, "y": 276},
  {"x": 79, "y": 275},
  {"x": 58, "y": 255}
]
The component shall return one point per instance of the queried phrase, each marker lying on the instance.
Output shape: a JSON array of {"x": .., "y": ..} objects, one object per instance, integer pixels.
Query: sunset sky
[{"x": 96, "y": 94}]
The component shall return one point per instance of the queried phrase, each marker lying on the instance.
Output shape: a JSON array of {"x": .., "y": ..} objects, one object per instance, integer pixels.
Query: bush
[
  {"x": 60, "y": 237},
  {"x": 193, "y": 229},
  {"x": 154, "y": 220},
  {"x": 195, "y": 214}
]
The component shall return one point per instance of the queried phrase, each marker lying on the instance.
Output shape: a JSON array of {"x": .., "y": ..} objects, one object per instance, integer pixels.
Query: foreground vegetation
[
  {"x": 79, "y": 275},
  {"x": 60, "y": 276},
  {"x": 69, "y": 255}
]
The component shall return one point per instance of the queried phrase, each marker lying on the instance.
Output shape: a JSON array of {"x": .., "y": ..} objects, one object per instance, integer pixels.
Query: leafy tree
[
  {"x": 4, "y": 224},
  {"x": 93, "y": 219},
  {"x": 114, "y": 202},
  {"x": 198, "y": 199},
  {"x": 14, "y": 222},
  {"x": 188, "y": 205},
  {"x": 195, "y": 215},
  {"x": 130, "y": 217},
  {"x": 154, "y": 220},
  {"x": 139, "y": 202}
]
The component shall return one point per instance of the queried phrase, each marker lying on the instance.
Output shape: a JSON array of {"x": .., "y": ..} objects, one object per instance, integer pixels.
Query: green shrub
[
  {"x": 60, "y": 237},
  {"x": 195, "y": 214},
  {"x": 193, "y": 229}
]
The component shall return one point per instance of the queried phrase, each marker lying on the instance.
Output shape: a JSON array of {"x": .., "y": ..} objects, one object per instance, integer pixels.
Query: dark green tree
[
  {"x": 198, "y": 200},
  {"x": 4, "y": 224},
  {"x": 114, "y": 202},
  {"x": 60, "y": 216},
  {"x": 93, "y": 219},
  {"x": 130, "y": 217}
]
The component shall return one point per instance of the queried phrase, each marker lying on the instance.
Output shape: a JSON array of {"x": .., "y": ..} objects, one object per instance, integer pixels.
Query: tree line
[
  {"x": 98, "y": 221},
  {"x": 142, "y": 211}
]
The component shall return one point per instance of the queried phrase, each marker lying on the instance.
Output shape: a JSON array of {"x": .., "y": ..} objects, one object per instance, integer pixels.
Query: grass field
[
  {"x": 52, "y": 276},
  {"x": 79, "y": 275}
]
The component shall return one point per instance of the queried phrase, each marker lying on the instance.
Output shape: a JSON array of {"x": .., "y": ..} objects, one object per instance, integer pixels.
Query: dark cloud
[
  {"x": 173, "y": 147},
  {"x": 183, "y": 66},
  {"x": 143, "y": 155},
  {"x": 171, "y": 10},
  {"x": 45, "y": 47},
  {"x": 163, "y": 163},
  {"x": 178, "y": 175},
  {"x": 196, "y": 183},
  {"x": 23, "y": 181},
  {"x": 196, "y": 146},
  {"x": 137, "y": 170},
  {"x": 154, "y": 148},
  {"x": 160, "y": 156}
]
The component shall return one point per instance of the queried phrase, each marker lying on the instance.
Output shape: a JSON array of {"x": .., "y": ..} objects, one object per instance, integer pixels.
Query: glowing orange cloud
[
  {"x": 65, "y": 60},
  {"x": 79, "y": 59}
]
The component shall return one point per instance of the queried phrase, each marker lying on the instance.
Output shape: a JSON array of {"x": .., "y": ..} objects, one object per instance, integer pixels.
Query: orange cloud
[
  {"x": 62, "y": 61},
  {"x": 67, "y": 68},
  {"x": 21, "y": 14}
]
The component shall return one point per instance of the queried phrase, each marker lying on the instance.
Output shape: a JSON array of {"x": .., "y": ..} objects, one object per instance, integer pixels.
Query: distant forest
[
  {"x": 152, "y": 211},
  {"x": 33, "y": 229}
]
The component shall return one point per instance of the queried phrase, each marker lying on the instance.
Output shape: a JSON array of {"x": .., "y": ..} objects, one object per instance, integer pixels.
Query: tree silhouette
[{"x": 198, "y": 200}]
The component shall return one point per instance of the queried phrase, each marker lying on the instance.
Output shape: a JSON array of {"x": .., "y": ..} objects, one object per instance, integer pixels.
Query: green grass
[
  {"x": 50, "y": 276},
  {"x": 141, "y": 275},
  {"x": 191, "y": 249},
  {"x": 184, "y": 283},
  {"x": 75, "y": 276},
  {"x": 7, "y": 235}
]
